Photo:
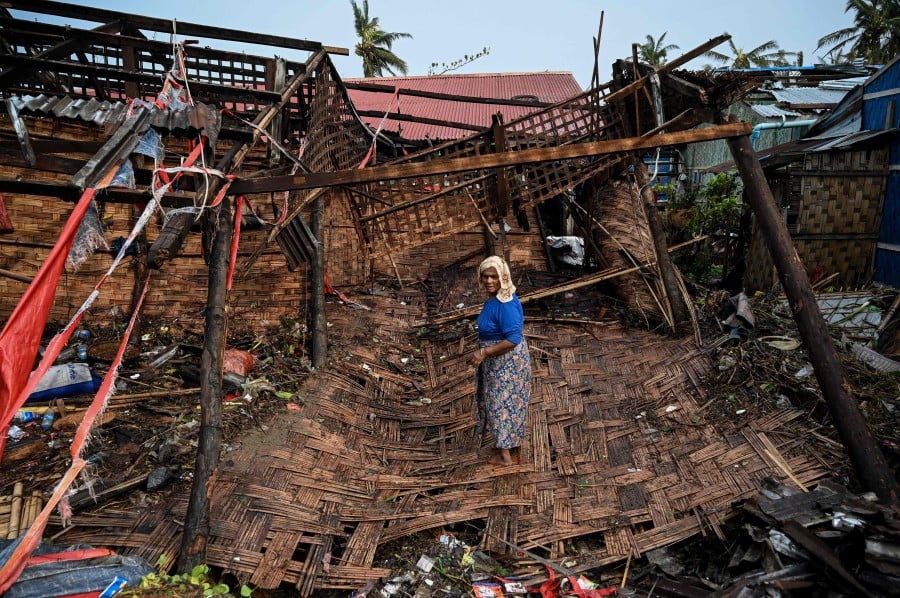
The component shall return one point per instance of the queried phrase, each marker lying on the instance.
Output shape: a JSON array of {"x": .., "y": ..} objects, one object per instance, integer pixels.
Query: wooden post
[
  {"x": 865, "y": 455},
  {"x": 501, "y": 189},
  {"x": 681, "y": 316},
  {"x": 317, "y": 320},
  {"x": 196, "y": 524}
]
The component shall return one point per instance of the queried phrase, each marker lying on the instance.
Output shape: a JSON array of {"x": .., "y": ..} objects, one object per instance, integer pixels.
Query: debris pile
[{"x": 827, "y": 541}]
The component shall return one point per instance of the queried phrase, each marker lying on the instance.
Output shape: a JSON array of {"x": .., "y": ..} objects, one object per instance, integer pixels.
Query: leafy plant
[
  {"x": 197, "y": 580},
  {"x": 715, "y": 209}
]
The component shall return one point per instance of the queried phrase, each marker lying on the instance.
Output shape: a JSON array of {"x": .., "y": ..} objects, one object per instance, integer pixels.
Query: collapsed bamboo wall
[
  {"x": 265, "y": 289},
  {"x": 263, "y": 292}
]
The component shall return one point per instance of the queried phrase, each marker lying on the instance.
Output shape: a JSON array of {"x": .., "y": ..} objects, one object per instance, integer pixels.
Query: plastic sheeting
[
  {"x": 68, "y": 576},
  {"x": 569, "y": 250}
]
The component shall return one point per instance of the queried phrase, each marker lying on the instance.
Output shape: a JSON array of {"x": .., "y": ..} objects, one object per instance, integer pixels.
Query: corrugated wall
[
  {"x": 701, "y": 156},
  {"x": 881, "y": 111}
]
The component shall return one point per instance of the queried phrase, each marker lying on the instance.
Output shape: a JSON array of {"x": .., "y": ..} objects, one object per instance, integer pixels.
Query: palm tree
[
  {"x": 761, "y": 56},
  {"x": 375, "y": 44},
  {"x": 874, "y": 36},
  {"x": 653, "y": 52}
]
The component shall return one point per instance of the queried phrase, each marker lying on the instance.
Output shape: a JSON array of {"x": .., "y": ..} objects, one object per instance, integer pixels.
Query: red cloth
[{"x": 21, "y": 337}]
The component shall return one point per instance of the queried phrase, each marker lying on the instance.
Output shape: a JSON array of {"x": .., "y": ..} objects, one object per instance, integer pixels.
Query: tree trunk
[{"x": 196, "y": 525}]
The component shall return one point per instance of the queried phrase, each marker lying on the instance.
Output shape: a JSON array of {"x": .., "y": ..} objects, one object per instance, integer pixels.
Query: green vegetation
[
  {"x": 654, "y": 51},
  {"x": 375, "y": 44},
  {"x": 195, "y": 583},
  {"x": 874, "y": 36},
  {"x": 714, "y": 209}
]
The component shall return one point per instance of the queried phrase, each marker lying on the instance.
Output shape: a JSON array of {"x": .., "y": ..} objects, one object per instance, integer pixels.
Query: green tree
[
  {"x": 375, "y": 44},
  {"x": 654, "y": 51},
  {"x": 874, "y": 36},
  {"x": 761, "y": 56}
]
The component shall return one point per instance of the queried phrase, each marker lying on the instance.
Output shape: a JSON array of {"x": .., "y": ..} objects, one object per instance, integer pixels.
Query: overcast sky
[{"x": 523, "y": 35}]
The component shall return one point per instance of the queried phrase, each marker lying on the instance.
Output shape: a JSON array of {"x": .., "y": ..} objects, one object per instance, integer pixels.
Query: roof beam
[
  {"x": 64, "y": 48},
  {"x": 376, "y": 87},
  {"x": 420, "y": 119},
  {"x": 494, "y": 160},
  {"x": 87, "y": 13},
  {"x": 129, "y": 38},
  {"x": 59, "y": 66},
  {"x": 72, "y": 193}
]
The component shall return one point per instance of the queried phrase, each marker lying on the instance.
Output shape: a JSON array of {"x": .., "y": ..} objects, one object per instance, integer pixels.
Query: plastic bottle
[
  {"x": 47, "y": 420},
  {"x": 82, "y": 352},
  {"x": 82, "y": 334},
  {"x": 23, "y": 417}
]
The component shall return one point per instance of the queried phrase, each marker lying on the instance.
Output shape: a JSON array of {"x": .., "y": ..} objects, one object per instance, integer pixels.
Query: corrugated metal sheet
[
  {"x": 549, "y": 87},
  {"x": 851, "y": 140},
  {"x": 843, "y": 84},
  {"x": 197, "y": 117},
  {"x": 808, "y": 95},
  {"x": 772, "y": 111},
  {"x": 875, "y": 114}
]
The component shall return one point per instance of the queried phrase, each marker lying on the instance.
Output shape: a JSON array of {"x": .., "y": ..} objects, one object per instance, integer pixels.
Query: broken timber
[
  {"x": 494, "y": 160},
  {"x": 584, "y": 281}
]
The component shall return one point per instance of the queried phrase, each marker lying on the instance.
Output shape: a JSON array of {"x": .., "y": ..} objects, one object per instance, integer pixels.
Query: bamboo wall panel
[{"x": 835, "y": 219}]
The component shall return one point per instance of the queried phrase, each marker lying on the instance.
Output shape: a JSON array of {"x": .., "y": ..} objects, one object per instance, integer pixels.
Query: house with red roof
[{"x": 427, "y": 109}]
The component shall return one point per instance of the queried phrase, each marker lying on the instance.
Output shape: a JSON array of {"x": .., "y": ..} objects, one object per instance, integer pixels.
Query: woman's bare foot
[{"x": 501, "y": 457}]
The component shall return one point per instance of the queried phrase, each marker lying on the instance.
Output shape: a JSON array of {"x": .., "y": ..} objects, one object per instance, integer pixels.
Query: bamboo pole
[
  {"x": 865, "y": 454},
  {"x": 16, "y": 512}
]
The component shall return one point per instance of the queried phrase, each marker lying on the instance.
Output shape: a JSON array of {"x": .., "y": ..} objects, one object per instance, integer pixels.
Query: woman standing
[{"x": 503, "y": 367}]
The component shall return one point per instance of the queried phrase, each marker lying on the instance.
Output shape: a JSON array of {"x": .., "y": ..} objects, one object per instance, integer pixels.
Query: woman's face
[{"x": 491, "y": 280}]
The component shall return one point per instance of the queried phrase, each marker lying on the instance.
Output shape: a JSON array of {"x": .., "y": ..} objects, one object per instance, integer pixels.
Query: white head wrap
[{"x": 505, "y": 294}]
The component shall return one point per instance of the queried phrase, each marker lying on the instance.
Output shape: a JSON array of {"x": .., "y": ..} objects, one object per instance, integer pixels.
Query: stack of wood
[{"x": 18, "y": 511}]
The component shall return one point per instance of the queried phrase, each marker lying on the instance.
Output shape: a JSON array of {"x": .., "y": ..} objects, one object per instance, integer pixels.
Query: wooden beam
[
  {"x": 128, "y": 39},
  {"x": 90, "y": 70},
  {"x": 498, "y": 160},
  {"x": 71, "y": 193},
  {"x": 669, "y": 66},
  {"x": 578, "y": 283},
  {"x": 87, "y": 13},
  {"x": 378, "y": 88},
  {"x": 64, "y": 48},
  {"x": 420, "y": 119}
]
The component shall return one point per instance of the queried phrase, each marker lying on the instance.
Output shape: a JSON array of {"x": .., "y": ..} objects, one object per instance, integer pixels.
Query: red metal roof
[{"x": 550, "y": 87}]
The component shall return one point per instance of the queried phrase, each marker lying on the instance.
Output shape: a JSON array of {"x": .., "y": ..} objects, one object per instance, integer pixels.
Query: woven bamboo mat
[{"x": 619, "y": 453}]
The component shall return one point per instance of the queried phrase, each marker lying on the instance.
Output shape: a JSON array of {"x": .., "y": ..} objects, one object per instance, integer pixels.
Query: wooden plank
[
  {"x": 444, "y": 96},
  {"x": 495, "y": 160},
  {"x": 87, "y": 13}
]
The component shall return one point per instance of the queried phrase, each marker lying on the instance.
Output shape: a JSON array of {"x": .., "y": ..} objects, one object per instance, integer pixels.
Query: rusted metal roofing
[
  {"x": 547, "y": 87},
  {"x": 197, "y": 117}
]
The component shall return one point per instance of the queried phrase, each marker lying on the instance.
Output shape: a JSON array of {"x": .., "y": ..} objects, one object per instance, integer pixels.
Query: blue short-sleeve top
[{"x": 499, "y": 321}]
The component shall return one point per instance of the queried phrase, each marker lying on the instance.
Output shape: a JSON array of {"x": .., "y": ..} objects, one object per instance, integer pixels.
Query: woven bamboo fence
[{"x": 834, "y": 209}]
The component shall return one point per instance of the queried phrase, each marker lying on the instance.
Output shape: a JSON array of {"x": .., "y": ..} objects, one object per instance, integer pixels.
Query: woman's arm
[{"x": 500, "y": 348}]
